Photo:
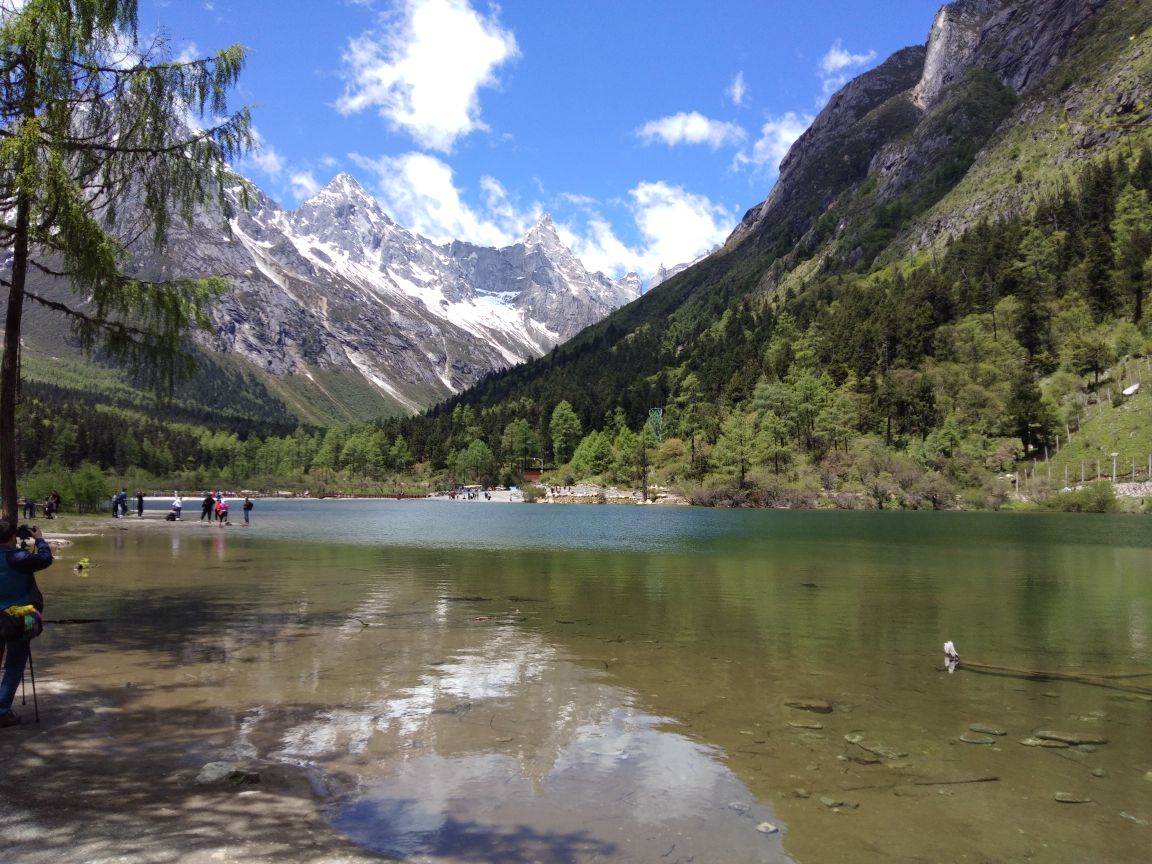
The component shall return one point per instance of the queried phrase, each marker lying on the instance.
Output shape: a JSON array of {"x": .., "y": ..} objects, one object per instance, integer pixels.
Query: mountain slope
[{"x": 1004, "y": 103}]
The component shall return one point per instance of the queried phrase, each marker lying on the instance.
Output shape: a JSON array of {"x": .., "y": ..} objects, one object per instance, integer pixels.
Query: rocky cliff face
[
  {"x": 896, "y": 121},
  {"x": 838, "y": 147},
  {"x": 338, "y": 285},
  {"x": 953, "y": 44},
  {"x": 1018, "y": 42}
]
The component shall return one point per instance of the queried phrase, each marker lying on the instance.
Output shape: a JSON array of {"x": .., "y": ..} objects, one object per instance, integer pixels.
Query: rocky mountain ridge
[{"x": 336, "y": 287}]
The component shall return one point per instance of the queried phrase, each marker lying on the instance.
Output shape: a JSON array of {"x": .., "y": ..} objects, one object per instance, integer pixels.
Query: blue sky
[{"x": 645, "y": 128}]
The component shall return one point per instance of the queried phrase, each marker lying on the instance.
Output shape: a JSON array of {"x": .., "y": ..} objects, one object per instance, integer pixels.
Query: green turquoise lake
[{"x": 475, "y": 681}]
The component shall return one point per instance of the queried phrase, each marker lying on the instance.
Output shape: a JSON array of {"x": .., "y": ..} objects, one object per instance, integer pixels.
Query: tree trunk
[{"x": 10, "y": 366}]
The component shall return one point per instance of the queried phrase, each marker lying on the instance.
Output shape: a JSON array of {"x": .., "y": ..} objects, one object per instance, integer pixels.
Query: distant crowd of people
[
  {"x": 213, "y": 508},
  {"x": 51, "y": 506}
]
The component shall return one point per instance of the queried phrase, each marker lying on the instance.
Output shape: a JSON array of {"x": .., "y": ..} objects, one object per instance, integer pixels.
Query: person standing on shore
[
  {"x": 207, "y": 506},
  {"x": 18, "y": 588},
  {"x": 140, "y": 504},
  {"x": 248, "y": 505},
  {"x": 177, "y": 505}
]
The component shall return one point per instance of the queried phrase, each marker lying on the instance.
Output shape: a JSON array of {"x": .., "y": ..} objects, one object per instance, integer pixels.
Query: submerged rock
[
  {"x": 231, "y": 772},
  {"x": 969, "y": 738},
  {"x": 795, "y": 724},
  {"x": 985, "y": 729},
  {"x": 874, "y": 748},
  {"x": 1072, "y": 798},
  {"x": 1071, "y": 737},
  {"x": 816, "y": 706},
  {"x": 767, "y": 828}
]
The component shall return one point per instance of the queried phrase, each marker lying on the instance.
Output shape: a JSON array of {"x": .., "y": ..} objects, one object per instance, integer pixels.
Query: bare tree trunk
[{"x": 10, "y": 366}]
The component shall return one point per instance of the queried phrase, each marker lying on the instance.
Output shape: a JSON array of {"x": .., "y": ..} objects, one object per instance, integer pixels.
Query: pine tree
[
  {"x": 89, "y": 118},
  {"x": 565, "y": 430},
  {"x": 1132, "y": 245}
]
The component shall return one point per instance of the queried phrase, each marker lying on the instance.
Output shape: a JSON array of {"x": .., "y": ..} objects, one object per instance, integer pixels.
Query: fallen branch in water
[
  {"x": 1111, "y": 681},
  {"x": 988, "y": 778}
]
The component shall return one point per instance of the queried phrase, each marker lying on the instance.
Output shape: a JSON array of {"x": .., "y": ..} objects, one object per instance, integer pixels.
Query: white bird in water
[{"x": 951, "y": 657}]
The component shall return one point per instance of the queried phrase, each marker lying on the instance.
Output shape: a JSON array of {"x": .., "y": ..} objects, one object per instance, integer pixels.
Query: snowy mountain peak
[
  {"x": 343, "y": 195},
  {"x": 336, "y": 285},
  {"x": 543, "y": 234},
  {"x": 632, "y": 284},
  {"x": 346, "y": 186}
]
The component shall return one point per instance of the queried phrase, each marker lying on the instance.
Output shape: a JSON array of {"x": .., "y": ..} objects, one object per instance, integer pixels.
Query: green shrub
[{"x": 1091, "y": 498}]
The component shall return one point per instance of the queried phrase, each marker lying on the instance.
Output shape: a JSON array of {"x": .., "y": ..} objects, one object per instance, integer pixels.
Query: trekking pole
[{"x": 32, "y": 675}]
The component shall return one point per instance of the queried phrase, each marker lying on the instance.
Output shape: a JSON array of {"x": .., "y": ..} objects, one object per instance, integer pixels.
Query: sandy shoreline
[{"x": 108, "y": 777}]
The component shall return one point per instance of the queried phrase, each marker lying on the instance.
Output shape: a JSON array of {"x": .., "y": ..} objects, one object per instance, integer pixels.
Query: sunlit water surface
[{"x": 491, "y": 682}]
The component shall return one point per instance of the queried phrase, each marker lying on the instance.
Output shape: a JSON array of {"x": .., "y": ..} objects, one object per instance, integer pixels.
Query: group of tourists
[
  {"x": 51, "y": 506},
  {"x": 120, "y": 504},
  {"x": 215, "y": 507}
]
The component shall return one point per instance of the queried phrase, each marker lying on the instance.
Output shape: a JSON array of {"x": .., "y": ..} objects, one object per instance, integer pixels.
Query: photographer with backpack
[{"x": 21, "y": 605}]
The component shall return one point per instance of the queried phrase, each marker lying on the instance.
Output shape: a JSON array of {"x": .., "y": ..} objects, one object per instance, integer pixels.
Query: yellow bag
[{"x": 21, "y": 622}]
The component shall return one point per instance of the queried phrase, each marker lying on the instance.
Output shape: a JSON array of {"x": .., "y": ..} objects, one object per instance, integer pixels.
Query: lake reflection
[{"x": 496, "y": 682}]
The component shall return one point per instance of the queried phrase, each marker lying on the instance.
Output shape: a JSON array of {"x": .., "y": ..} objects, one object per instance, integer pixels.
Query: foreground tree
[{"x": 87, "y": 119}]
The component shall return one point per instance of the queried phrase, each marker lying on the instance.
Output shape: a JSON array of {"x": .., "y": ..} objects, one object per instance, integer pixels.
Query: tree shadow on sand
[{"x": 98, "y": 780}]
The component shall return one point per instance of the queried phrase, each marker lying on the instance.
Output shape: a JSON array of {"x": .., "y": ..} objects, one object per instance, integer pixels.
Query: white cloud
[
  {"x": 675, "y": 226},
  {"x": 737, "y": 91},
  {"x": 777, "y": 136},
  {"x": 304, "y": 185},
  {"x": 672, "y": 225},
  {"x": 263, "y": 157},
  {"x": 188, "y": 54},
  {"x": 419, "y": 192},
  {"x": 836, "y": 65},
  {"x": 691, "y": 128},
  {"x": 424, "y": 68}
]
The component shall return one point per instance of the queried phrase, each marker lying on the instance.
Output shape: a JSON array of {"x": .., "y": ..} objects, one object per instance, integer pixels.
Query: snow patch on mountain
[{"x": 338, "y": 284}]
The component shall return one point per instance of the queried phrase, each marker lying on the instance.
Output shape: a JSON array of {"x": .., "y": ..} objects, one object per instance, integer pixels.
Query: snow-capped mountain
[{"x": 338, "y": 285}]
